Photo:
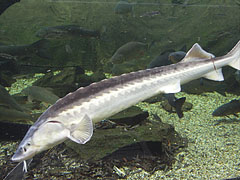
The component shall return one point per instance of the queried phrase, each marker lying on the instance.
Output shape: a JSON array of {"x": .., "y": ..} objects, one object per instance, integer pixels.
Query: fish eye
[{"x": 28, "y": 144}]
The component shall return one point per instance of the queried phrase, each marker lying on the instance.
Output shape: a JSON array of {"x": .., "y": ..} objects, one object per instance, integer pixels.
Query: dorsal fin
[{"x": 197, "y": 53}]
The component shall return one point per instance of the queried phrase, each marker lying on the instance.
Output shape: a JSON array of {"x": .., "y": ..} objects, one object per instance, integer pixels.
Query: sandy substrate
[{"x": 213, "y": 150}]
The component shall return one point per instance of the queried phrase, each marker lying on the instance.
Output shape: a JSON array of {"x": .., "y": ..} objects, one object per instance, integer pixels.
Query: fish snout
[
  {"x": 21, "y": 155},
  {"x": 16, "y": 158}
]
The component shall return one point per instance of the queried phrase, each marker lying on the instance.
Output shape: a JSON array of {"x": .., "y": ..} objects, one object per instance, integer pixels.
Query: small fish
[
  {"x": 16, "y": 52},
  {"x": 40, "y": 94},
  {"x": 150, "y": 14},
  {"x": 7, "y": 100},
  {"x": 231, "y": 108},
  {"x": 177, "y": 56},
  {"x": 124, "y": 8},
  {"x": 180, "y": 2},
  {"x": 168, "y": 57},
  {"x": 66, "y": 31},
  {"x": 129, "y": 51},
  {"x": 72, "y": 117},
  {"x": 176, "y": 103}
]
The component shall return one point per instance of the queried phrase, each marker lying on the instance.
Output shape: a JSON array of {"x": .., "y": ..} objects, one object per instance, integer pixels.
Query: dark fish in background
[
  {"x": 176, "y": 103},
  {"x": 124, "y": 8},
  {"x": 66, "y": 31},
  {"x": 18, "y": 172},
  {"x": 4, "y": 4},
  {"x": 16, "y": 52},
  {"x": 168, "y": 57},
  {"x": 40, "y": 94},
  {"x": 14, "y": 116},
  {"x": 129, "y": 51},
  {"x": 177, "y": 56},
  {"x": 231, "y": 108},
  {"x": 7, "y": 100},
  {"x": 161, "y": 60}
]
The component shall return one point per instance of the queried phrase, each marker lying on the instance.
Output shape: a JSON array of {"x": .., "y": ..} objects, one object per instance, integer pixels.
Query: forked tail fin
[{"x": 235, "y": 53}]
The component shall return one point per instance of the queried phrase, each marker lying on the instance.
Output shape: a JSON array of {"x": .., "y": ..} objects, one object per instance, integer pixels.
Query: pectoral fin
[{"x": 81, "y": 132}]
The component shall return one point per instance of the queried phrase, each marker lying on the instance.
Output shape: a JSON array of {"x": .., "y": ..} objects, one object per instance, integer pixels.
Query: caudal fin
[{"x": 235, "y": 53}]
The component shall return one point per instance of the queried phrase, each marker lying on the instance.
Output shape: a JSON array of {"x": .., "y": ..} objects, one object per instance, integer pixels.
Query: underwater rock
[
  {"x": 131, "y": 116},
  {"x": 106, "y": 141},
  {"x": 61, "y": 83},
  {"x": 148, "y": 155},
  {"x": 7, "y": 100},
  {"x": 68, "y": 80}
]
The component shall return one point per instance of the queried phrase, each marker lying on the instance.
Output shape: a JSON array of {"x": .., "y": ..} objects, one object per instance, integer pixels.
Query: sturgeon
[{"x": 73, "y": 116}]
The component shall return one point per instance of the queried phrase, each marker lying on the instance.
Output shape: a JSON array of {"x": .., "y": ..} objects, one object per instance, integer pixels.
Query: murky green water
[{"x": 62, "y": 45}]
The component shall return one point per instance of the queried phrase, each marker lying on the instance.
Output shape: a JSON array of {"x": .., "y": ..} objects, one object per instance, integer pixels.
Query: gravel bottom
[{"x": 213, "y": 149}]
